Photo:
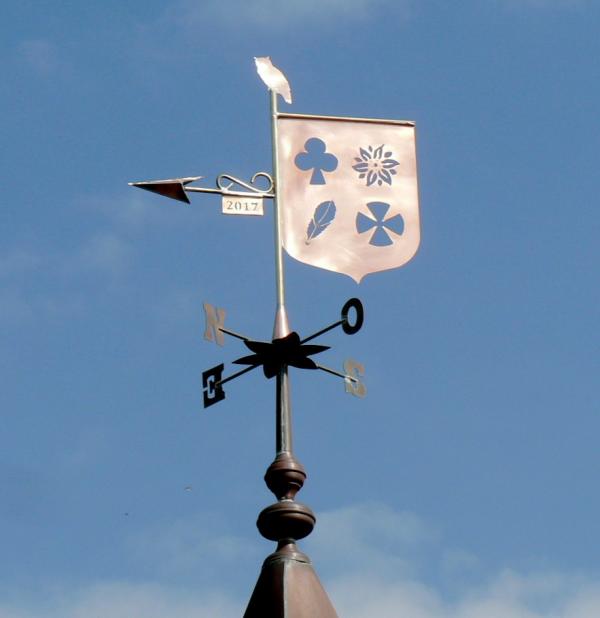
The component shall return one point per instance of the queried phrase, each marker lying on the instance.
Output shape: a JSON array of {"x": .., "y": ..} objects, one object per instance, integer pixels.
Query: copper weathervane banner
[{"x": 348, "y": 192}]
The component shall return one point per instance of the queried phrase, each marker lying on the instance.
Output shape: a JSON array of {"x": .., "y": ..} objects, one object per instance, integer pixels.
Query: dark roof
[{"x": 288, "y": 587}]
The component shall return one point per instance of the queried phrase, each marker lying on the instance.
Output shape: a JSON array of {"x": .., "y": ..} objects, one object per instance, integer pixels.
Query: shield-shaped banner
[{"x": 348, "y": 192}]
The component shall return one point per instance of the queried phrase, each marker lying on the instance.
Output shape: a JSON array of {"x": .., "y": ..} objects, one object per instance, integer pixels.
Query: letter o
[{"x": 349, "y": 328}]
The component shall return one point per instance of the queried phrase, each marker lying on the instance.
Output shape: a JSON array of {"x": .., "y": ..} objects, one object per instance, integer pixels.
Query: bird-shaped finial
[{"x": 273, "y": 78}]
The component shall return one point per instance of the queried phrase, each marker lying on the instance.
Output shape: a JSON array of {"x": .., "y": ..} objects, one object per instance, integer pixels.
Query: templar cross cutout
[
  {"x": 379, "y": 237},
  {"x": 316, "y": 158}
]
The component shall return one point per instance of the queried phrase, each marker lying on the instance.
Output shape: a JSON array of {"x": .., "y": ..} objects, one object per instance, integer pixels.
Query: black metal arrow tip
[{"x": 173, "y": 188}]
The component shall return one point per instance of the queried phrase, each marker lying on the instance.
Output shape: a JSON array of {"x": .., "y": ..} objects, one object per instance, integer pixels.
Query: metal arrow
[{"x": 177, "y": 188}]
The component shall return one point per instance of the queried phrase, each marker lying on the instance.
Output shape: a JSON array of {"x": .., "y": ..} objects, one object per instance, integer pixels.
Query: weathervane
[{"x": 345, "y": 199}]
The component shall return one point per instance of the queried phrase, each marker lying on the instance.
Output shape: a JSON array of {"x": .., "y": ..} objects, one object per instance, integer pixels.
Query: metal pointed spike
[{"x": 168, "y": 188}]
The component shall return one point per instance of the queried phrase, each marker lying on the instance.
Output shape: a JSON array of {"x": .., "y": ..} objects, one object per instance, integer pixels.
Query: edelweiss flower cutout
[{"x": 375, "y": 165}]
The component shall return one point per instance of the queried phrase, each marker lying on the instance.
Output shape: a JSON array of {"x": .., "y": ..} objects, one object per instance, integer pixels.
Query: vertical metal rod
[
  {"x": 281, "y": 328},
  {"x": 283, "y": 431}
]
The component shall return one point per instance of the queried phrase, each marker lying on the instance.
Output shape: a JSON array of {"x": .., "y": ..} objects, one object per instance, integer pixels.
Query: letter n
[{"x": 215, "y": 319}]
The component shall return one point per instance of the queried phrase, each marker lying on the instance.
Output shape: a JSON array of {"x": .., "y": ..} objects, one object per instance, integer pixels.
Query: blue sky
[{"x": 464, "y": 484}]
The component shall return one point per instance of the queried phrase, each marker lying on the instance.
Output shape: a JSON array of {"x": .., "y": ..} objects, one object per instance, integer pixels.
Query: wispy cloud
[
  {"x": 184, "y": 545},
  {"x": 21, "y": 305},
  {"x": 40, "y": 55},
  {"x": 124, "y": 600},
  {"x": 18, "y": 262},
  {"x": 374, "y": 570},
  {"x": 547, "y": 4},
  {"x": 368, "y": 534},
  {"x": 508, "y": 595},
  {"x": 46, "y": 283},
  {"x": 178, "y": 306},
  {"x": 45, "y": 280},
  {"x": 15, "y": 265},
  {"x": 370, "y": 571},
  {"x": 14, "y": 307},
  {"x": 270, "y": 13},
  {"x": 106, "y": 252},
  {"x": 133, "y": 210}
]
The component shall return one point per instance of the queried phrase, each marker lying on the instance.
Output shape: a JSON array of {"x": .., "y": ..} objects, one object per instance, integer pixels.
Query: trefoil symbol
[{"x": 317, "y": 159}]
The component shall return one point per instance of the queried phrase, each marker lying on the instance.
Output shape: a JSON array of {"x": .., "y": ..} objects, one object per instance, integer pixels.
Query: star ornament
[{"x": 273, "y": 355}]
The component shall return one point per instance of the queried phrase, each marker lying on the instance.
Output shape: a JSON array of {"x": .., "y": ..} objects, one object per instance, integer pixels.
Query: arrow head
[{"x": 168, "y": 188}]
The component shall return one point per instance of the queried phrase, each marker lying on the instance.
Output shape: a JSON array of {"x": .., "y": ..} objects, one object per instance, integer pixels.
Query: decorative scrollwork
[{"x": 227, "y": 184}]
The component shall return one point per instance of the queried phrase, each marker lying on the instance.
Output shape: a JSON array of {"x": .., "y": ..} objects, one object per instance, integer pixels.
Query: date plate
[{"x": 232, "y": 205}]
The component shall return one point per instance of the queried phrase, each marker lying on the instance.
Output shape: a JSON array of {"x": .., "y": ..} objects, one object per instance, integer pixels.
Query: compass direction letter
[
  {"x": 354, "y": 386},
  {"x": 215, "y": 320},
  {"x": 211, "y": 383}
]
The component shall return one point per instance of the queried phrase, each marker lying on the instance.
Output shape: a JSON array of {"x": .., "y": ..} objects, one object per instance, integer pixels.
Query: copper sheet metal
[{"x": 348, "y": 192}]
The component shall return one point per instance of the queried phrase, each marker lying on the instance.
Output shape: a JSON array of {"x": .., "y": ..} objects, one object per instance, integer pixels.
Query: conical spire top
[{"x": 288, "y": 586}]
